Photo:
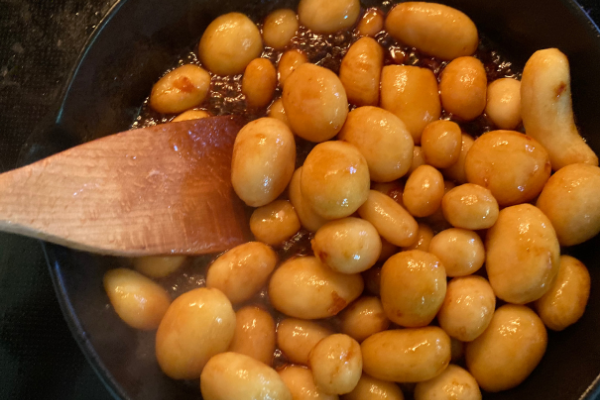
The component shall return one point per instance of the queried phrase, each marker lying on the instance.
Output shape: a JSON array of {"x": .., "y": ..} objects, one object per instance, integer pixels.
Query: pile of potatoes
[{"x": 398, "y": 201}]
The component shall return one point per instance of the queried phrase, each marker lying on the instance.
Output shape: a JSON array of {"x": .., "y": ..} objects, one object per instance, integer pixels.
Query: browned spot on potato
[
  {"x": 560, "y": 89},
  {"x": 184, "y": 84},
  {"x": 337, "y": 303}
]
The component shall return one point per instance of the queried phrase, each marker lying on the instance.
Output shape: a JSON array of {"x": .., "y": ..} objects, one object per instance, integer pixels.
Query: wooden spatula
[{"x": 153, "y": 191}]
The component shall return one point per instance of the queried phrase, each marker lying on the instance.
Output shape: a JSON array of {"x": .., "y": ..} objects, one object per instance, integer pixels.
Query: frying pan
[{"x": 140, "y": 39}]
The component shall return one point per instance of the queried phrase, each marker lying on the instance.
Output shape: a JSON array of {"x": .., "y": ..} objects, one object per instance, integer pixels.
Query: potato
[
  {"x": 441, "y": 142},
  {"x": 424, "y": 236},
  {"x": 348, "y": 245},
  {"x": 394, "y": 189},
  {"x": 308, "y": 217},
  {"x": 418, "y": 159},
  {"x": 328, "y": 16},
  {"x": 360, "y": 72},
  {"x": 289, "y": 61},
  {"x": 413, "y": 287},
  {"x": 571, "y": 200},
  {"x": 279, "y": 28},
  {"x": 198, "y": 325},
  {"x": 264, "y": 155},
  {"x": 513, "y": 166},
  {"x": 382, "y": 138},
  {"x": 233, "y": 376},
  {"x": 371, "y": 23},
  {"x": 547, "y": 109},
  {"x": 140, "y": 302},
  {"x": 509, "y": 349},
  {"x": 229, "y": 43},
  {"x": 423, "y": 191},
  {"x": 335, "y": 179},
  {"x": 463, "y": 88},
  {"x": 457, "y": 172},
  {"x": 191, "y": 115},
  {"x": 388, "y": 250},
  {"x": 315, "y": 102},
  {"x": 179, "y": 90},
  {"x": 274, "y": 223},
  {"x": 406, "y": 355},
  {"x": 363, "y": 318},
  {"x": 454, "y": 383},
  {"x": 336, "y": 364},
  {"x": 369, "y": 388},
  {"x": 411, "y": 93},
  {"x": 300, "y": 383},
  {"x": 277, "y": 111},
  {"x": 522, "y": 236},
  {"x": 304, "y": 288},
  {"x": 259, "y": 83},
  {"x": 296, "y": 338},
  {"x": 158, "y": 267},
  {"x": 254, "y": 334},
  {"x": 504, "y": 103},
  {"x": 565, "y": 302},
  {"x": 242, "y": 271},
  {"x": 460, "y": 251},
  {"x": 470, "y": 206}
]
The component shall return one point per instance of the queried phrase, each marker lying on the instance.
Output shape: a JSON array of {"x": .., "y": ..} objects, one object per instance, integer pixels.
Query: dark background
[{"x": 40, "y": 41}]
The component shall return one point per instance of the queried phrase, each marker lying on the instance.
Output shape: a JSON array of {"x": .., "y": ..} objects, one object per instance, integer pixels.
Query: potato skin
[
  {"x": 463, "y": 88},
  {"x": 460, "y": 250},
  {"x": 279, "y": 28},
  {"x": 369, "y": 388},
  {"x": 328, "y": 17},
  {"x": 441, "y": 142},
  {"x": 274, "y": 223},
  {"x": 470, "y": 206},
  {"x": 364, "y": 318},
  {"x": 504, "y": 103},
  {"x": 360, "y": 72},
  {"x": 424, "y": 191},
  {"x": 259, "y": 83},
  {"x": 309, "y": 219},
  {"x": 454, "y": 383},
  {"x": 254, "y": 334},
  {"x": 336, "y": 364},
  {"x": 301, "y": 384},
  {"x": 297, "y": 337},
  {"x": 179, "y": 90},
  {"x": 456, "y": 172}
]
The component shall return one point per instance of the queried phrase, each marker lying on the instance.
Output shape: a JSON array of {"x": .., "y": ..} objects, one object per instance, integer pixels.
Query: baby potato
[
  {"x": 300, "y": 383},
  {"x": 336, "y": 364},
  {"x": 565, "y": 302},
  {"x": 468, "y": 308},
  {"x": 454, "y": 383},
  {"x": 423, "y": 191},
  {"x": 418, "y": 159},
  {"x": 308, "y": 217},
  {"x": 140, "y": 302},
  {"x": 296, "y": 338},
  {"x": 371, "y": 23},
  {"x": 460, "y": 250},
  {"x": 264, "y": 155},
  {"x": 413, "y": 287},
  {"x": 406, "y": 355},
  {"x": 435, "y": 29},
  {"x": 229, "y": 43},
  {"x": 411, "y": 93},
  {"x": 424, "y": 236},
  {"x": 254, "y": 334},
  {"x": 348, "y": 245},
  {"x": 571, "y": 200},
  {"x": 393, "y": 189},
  {"x": 441, "y": 142},
  {"x": 463, "y": 88},
  {"x": 328, "y": 16},
  {"x": 242, "y": 271},
  {"x": 289, "y": 61},
  {"x": 390, "y": 219},
  {"x": 335, "y": 179},
  {"x": 513, "y": 166},
  {"x": 233, "y": 376},
  {"x": 179, "y": 90},
  {"x": 369, "y": 388},
  {"x": 382, "y": 138},
  {"x": 315, "y": 102},
  {"x": 470, "y": 206},
  {"x": 504, "y": 103},
  {"x": 259, "y": 83},
  {"x": 277, "y": 111},
  {"x": 191, "y": 115},
  {"x": 522, "y": 236},
  {"x": 456, "y": 172},
  {"x": 274, "y": 223},
  {"x": 364, "y": 318},
  {"x": 304, "y": 288},
  {"x": 198, "y": 324},
  {"x": 156, "y": 266},
  {"x": 279, "y": 28},
  {"x": 509, "y": 349},
  {"x": 360, "y": 72}
]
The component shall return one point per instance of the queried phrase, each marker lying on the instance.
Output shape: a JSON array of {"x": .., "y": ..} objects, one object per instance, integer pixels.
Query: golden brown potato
[
  {"x": 158, "y": 267},
  {"x": 289, "y": 61},
  {"x": 300, "y": 383},
  {"x": 191, "y": 115},
  {"x": 274, "y": 223},
  {"x": 418, "y": 159},
  {"x": 454, "y": 383},
  {"x": 277, "y": 111},
  {"x": 504, "y": 103},
  {"x": 279, "y": 28},
  {"x": 371, "y": 23},
  {"x": 259, "y": 83},
  {"x": 179, "y": 90},
  {"x": 328, "y": 16},
  {"x": 423, "y": 191},
  {"x": 456, "y": 172},
  {"x": 254, "y": 334},
  {"x": 364, "y": 318},
  {"x": 393, "y": 189},
  {"x": 470, "y": 206},
  {"x": 296, "y": 338},
  {"x": 336, "y": 364},
  {"x": 441, "y": 143},
  {"x": 360, "y": 72},
  {"x": 463, "y": 88},
  {"x": 369, "y": 388},
  {"x": 460, "y": 251},
  {"x": 308, "y": 217},
  {"x": 424, "y": 236}
]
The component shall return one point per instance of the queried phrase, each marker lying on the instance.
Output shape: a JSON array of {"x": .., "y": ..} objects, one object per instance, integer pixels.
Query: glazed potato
[
  {"x": 336, "y": 364},
  {"x": 289, "y": 61},
  {"x": 348, "y": 245},
  {"x": 418, "y": 159},
  {"x": 296, "y": 338},
  {"x": 140, "y": 302},
  {"x": 364, "y": 318},
  {"x": 279, "y": 28},
  {"x": 413, "y": 287},
  {"x": 463, "y": 88},
  {"x": 328, "y": 16},
  {"x": 393, "y": 189},
  {"x": 179, "y": 90},
  {"x": 304, "y": 288},
  {"x": 382, "y": 138},
  {"x": 315, "y": 102},
  {"x": 277, "y": 111},
  {"x": 371, "y": 23},
  {"x": 571, "y": 200},
  {"x": 513, "y": 166},
  {"x": 233, "y": 376},
  {"x": 264, "y": 155},
  {"x": 335, "y": 179},
  {"x": 158, "y": 267},
  {"x": 242, "y": 271},
  {"x": 369, "y": 388},
  {"x": 504, "y": 103},
  {"x": 411, "y": 93},
  {"x": 423, "y": 191},
  {"x": 406, "y": 355},
  {"x": 299, "y": 381},
  {"x": 454, "y": 383},
  {"x": 468, "y": 308},
  {"x": 390, "y": 219},
  {"x": 565, "y": 302},
  {"x": 509, "y": 349},
  {"x": 254, "y": 334},
  {"x": 259, "y": 83},
  {"x": 372, "y": 279},
  {"x": 229, "y": 43},
  {"x": 191, "y": 115},
  {"x": 441, "y": 142},
  {"x": 424, "y": 236},
  {"x": 434, "y": 29},
  {"x": 456, "y": 172},
  {"x": 547, "y": 109},
  {"x": 274, "y": 223},
  {"x": 198, "y": 325},
  {"x": 470, "y": 206},
  {"x": 461, "y": 251},
  {"x": 360, "y": 72},
  {"x": 308, "y": 217},
  {"x": 523, "y": 235}
]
